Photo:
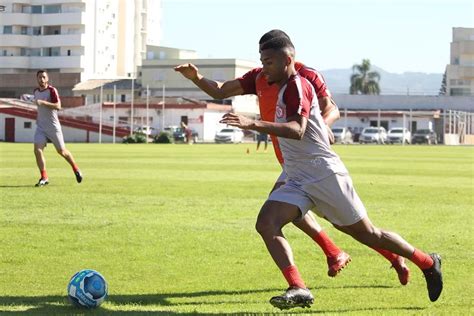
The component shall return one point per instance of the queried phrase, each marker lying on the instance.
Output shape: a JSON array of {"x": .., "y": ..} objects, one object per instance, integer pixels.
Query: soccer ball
[{"x": 87, "y": 288}]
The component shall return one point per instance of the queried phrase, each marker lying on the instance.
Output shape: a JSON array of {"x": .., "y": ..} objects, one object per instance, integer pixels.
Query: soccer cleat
[
  {"x": 78, "y": 175},
  {"x": 402, "y": 270},
  {"x": 336, "y": 264},
  {"x": 293, "y": 297},
  {"x": 434, "y": 278},
  {"x": 42, "y": 182}
]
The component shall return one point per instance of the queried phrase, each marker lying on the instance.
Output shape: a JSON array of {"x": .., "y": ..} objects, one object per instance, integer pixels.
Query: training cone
[{"x": 248, "y": 151}]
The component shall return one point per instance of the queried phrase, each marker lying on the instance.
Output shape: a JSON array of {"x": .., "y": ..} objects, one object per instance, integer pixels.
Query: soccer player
[
  {"x": 255, "y": 82},
  {"x": 316, "y": 177},
  {"x": 267, "y": 95},
  {"x": 48, "y": 127}
]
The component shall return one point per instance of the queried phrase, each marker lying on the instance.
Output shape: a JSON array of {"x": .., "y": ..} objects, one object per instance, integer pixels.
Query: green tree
[
  {"x": 442, "y": 89},
  {"x": 364, "y": 81}
]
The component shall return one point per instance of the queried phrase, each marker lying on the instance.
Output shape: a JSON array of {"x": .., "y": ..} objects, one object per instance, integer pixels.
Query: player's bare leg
[
  {"x": 41, "y": 163},
  {"x": 365, "y": 232},
  {"x": 397, "y": 262},
  {"x": 335, "y": 257},
  {"x": 271, "y": 219},
  {"x": 66, "y": 154}
]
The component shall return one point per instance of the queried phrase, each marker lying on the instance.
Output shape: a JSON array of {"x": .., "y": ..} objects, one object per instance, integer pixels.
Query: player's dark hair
[
  {"x": 40, "y": 72},
  {"x": 281, "y": 44},
  {"x": 272, "y": 34}
]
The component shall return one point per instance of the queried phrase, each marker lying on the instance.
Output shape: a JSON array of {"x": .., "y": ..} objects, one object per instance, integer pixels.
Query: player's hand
[
  {"x": 189, "y": 71},
  {"x": 330, "y": 135},
  {"x": 237, "y": 120},
  {"x": 39, "y": 102}
]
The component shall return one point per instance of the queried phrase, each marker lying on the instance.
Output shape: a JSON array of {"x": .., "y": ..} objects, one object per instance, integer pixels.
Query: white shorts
[
  {"x": 333, "y": 198},
  {"x": 55, "y": 136}
]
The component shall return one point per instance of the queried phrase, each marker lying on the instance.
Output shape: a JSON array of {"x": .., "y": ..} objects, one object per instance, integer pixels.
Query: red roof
[{"x": 66, "y": 121}]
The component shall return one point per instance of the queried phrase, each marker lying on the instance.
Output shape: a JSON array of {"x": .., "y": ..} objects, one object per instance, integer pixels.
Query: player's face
[
  {"x": 42, "y": 79},
  {"x": 274, "y": 65}
]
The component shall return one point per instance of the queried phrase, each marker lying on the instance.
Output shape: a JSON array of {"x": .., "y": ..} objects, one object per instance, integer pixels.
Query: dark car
[
  {"x": 424, "y": 136},
  {"x": 180, "y": 135}
]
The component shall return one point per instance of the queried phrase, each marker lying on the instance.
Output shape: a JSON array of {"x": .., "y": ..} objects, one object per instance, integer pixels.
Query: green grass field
[{"x": 171, "y": 227}]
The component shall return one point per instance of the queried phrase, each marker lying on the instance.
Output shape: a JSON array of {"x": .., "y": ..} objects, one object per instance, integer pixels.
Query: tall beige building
[
  {"x": 75, "y": 40},
  {"x": 460, "y": 71}
]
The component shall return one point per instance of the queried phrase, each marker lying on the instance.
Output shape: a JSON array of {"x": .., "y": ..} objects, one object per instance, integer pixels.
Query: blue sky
[{"x": 396, "y": 35}]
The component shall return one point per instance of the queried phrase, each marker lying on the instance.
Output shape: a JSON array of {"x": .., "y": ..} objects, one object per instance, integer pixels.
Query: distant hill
[{"x": 413, "y": 83}]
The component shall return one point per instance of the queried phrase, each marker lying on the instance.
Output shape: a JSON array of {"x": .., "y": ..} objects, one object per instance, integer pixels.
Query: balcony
[
  {"x": 16, "y": 18},
  {"x": 57, "y": 62},
  {"x": 69, "y": 18},
  {"x": 58, "y": 40},
  {"x": 21, "y": 62},
  {"x": 15, "y": 40}
]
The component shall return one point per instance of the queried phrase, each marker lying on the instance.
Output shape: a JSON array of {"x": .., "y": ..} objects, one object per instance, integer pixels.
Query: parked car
[
  {"x": 171, "y": 129},
  {"x": 180, "y": 135},
  {"x": 424, "y": 136},
  {"x": 229, "y": 135},
  {"x": 146, "y": 130},
  {"x": 342, "y": 135},
  {"x": 376, "y": 135},
  {"x": 399, "y": 135}
]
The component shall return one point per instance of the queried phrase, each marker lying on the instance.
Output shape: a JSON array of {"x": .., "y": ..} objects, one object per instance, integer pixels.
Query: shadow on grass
[
  {"x": 18, "y": 186},
  {"x": 58, "y": 305}
]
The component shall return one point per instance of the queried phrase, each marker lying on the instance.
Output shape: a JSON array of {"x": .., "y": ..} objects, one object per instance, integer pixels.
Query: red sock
[
  {"x": 330, "y": 249},
  {"x": 421, "y": 259},
  {"x": 75, "y": 168},
  {"x": 44, "y": 175},
  {"x": 390, "y": 256},
  {"x": 293, "y": 277}
]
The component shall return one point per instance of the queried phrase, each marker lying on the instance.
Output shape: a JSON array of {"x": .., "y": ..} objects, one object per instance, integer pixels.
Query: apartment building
[
  {"x": 75, "y": 40},
  {"x": 460, "y": 71}
]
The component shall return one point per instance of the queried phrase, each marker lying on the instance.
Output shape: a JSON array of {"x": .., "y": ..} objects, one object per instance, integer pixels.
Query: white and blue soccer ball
[{"x": 87, "y": 288}]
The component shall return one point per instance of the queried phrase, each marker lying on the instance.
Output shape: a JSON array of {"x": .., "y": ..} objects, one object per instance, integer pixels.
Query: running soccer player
[
  {"x": 48, "y": 127},
  {"x": 255, "y": 82},
  {"x": 267, "y": 95},
  {"x": 316, "y": 177}
]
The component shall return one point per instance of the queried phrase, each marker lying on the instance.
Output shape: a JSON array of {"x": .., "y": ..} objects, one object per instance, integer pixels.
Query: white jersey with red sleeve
[
  {"x": 47, "y": 118},
  {"x": 311, "y": 158}
]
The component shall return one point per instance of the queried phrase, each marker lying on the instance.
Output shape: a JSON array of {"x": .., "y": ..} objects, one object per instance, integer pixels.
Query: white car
[
  {"x": 342, "y": 135},
  {"x": 399, "y": 135},
  {"x": 147, "y": 130},
  {"x": 229, "y": 135},
  {"x": 376, "y": 135}
]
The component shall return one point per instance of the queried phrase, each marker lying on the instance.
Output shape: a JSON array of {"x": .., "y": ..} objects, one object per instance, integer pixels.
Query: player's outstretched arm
[{"x": 216, "y": 89}]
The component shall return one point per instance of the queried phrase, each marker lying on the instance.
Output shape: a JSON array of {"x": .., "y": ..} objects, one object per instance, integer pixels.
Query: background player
[{"x": 48, "y": 127}]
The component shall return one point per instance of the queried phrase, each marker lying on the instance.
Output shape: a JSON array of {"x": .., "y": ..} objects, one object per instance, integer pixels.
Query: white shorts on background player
[{"x": 54, "y": 135}]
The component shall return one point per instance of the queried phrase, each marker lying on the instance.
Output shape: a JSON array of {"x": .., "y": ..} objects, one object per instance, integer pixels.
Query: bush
[
  {"x": 163, "y": 138},
  {"x": 136, "y": 138}
]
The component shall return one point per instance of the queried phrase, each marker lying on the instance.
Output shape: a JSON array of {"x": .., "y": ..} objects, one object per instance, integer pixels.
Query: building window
[
  {"x": 52, "y": 8},
  {"x": 36, "y": 9},
  {"x": 24, "y": 30},
  {"x": 122, "y": 98},
  {"x": 69, "y": 52},
  {"x": 5, "y": 52},
  {"x": 27, "y": 125},
  {"x": 7, "y": 29},
  {"x": 36, "y": 30}
]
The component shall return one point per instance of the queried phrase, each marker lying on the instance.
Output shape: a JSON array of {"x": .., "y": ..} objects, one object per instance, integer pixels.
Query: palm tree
[{"x": 364, "y": 81}]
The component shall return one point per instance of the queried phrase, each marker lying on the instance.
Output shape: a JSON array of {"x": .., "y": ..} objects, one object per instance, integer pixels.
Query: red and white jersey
[
  {"x": 47, "y": 118},
  {"x": 311, "y": 158},
  {"x": 254, "y": 82}
]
